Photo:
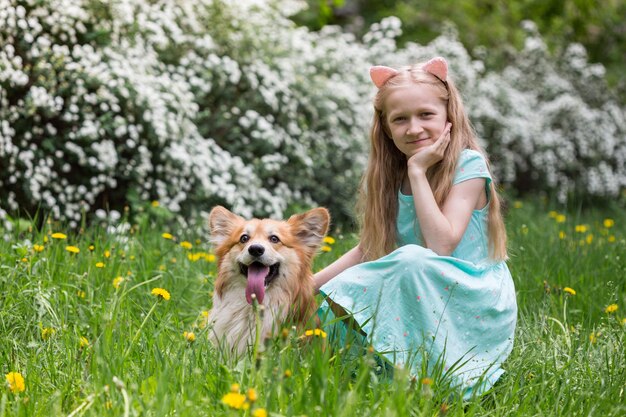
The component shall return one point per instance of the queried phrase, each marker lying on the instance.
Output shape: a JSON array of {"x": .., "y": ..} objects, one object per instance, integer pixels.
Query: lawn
[{"x": 112, "y": 321}]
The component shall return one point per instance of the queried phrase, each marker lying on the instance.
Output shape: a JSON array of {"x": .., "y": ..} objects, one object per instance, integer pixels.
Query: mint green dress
[{"x": 421, "y": 310}]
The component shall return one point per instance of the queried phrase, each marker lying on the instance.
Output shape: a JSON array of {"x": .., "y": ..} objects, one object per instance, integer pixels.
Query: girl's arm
[
  {"x": 352, "y": 257},
  {"x": 442, "y": 228}
]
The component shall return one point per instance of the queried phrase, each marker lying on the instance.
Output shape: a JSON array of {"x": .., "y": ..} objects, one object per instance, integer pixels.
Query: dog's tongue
[{"x": 256, "y": 282}]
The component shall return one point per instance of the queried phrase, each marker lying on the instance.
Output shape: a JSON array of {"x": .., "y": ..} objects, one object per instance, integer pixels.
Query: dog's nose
[{"x": 256, "y": 250}]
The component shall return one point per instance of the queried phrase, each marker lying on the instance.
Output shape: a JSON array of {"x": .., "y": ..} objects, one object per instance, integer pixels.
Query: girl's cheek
[{"x": 442, "y": 127}]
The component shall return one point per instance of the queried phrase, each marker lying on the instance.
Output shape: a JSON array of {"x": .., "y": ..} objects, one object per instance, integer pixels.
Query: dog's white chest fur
[{"x": 232, "y": 319}]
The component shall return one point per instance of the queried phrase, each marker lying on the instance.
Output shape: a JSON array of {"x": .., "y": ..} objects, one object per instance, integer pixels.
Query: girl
[{"x": 428, "y": 283}]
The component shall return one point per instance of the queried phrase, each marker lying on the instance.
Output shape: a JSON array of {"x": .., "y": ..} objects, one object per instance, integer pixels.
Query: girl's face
[{"x": 416, "y": 117}]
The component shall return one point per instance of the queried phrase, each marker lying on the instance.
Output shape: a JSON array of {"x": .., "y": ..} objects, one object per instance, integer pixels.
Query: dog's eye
[
  {"x": 244, "y": 238},
  {"x": 274, "y": 239}
]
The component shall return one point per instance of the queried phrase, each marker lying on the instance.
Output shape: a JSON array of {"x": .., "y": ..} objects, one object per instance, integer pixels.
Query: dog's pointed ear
[
  {"x": 222, "y": 223},
  {"x": 311, "y": 227}
]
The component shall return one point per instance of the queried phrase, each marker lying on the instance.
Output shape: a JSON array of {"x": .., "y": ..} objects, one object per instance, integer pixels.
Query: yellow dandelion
[
  {"x": 47, "y": 333},
  {"x": 252, "y": 395},
  {"x": 38, "y": 248},
  {"x": 611, "y": 239},
  {"x": 91, "y": 248},
  {"x": 624, "y": 321},
  {"x": 234, "y": 400},
  {"x": 161, "y": 293},
  {"x": 173, "y": 260},
  {"x": 81, "y": 293},
  {"x": 162, "y": 268},
  {"x": 287, "y": 373},
  {"x": 209, "y": 257},
  {"x": 72, "y": 249},
  {"x": 204, "y": 319},
  {"x": 560, "y": 218},
  {"x": 562, "y": 235},
  {"x": 569, "y": 290},
  {"x": 24, "y": 259},
  {"x": 589, "y": 239},
  {"x": 83, "y": 342},
  {"x": 234, "y": 388},
  {"x": 552, "y": 214},
  {"x": 329, "y": 240},
  {"x": 58, "y": 235},
  {"x": 580, "y": 228},
  {"x": 99, "y": 264},
  {"x": 608, "y": 223},
  {"x": 612, "y": 308},
  {"x": 15, "y": 381},
  {"x": 316, "y": 332},
  {"x": 427, "y": 381},
  {"x": 593, "y": 337},
  {"x": 326, "y": 248},
  {"x": 259, "y": 412},
  {"x": 186, "y": 245},
  {"x": 154, "y": 203},
  {"x": 189, "y": 336},
  {"x": 107, "y": 254},
  {"x": 117, "y": 282},
  {"x": 518, "y": 204},
  {"x": 167, "y": 236}
]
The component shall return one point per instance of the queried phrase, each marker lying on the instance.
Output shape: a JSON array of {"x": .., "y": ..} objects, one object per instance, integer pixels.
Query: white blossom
[{"x": 258, "y": 114}]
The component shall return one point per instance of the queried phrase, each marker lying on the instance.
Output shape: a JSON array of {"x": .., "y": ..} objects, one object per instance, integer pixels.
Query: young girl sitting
[{"x": 428, "y": 279}]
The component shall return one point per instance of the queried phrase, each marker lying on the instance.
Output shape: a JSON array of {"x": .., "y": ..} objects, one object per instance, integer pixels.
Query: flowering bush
[
  {"x": 213, "y": 101},
  {"x": 552, "y": 124},
  {"x": 190, "y": 105}
]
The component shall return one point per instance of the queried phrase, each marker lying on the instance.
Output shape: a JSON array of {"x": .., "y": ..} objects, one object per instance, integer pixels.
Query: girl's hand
[{"x": 431, "y": 154}]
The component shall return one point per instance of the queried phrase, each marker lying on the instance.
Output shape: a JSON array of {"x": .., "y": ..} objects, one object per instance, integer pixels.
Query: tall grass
[{"x": 88, "y": 348}]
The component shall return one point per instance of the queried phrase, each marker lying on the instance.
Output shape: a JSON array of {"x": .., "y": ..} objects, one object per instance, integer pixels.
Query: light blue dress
[{"x": 457, "y": 312}]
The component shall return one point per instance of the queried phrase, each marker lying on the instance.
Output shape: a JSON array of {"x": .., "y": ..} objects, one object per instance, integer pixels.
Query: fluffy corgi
[{"x": 267, "y": 260}]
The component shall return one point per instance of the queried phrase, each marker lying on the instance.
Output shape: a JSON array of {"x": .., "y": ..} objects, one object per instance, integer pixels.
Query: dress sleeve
[{"x": 471, "y": 165}]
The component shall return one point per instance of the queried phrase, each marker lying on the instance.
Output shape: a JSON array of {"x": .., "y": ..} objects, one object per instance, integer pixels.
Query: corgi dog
[{"x": 262, "y": 261}]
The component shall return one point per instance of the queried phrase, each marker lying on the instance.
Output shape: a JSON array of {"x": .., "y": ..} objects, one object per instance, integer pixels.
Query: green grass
[{"x": 569, "y": 357}]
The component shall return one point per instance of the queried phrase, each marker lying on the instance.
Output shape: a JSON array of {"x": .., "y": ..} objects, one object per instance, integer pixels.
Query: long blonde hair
[{"x": 387, "y": 167}]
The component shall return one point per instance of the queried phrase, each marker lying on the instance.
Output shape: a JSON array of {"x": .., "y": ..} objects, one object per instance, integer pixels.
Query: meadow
[{"x": 111, "y": 321}]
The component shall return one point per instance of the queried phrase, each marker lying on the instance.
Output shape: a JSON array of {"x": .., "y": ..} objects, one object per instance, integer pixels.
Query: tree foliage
[{"x": 598, "y": 25}]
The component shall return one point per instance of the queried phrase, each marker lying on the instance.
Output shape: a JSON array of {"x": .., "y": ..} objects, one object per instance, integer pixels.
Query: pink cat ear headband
[{"x": 436, "y": 66}]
